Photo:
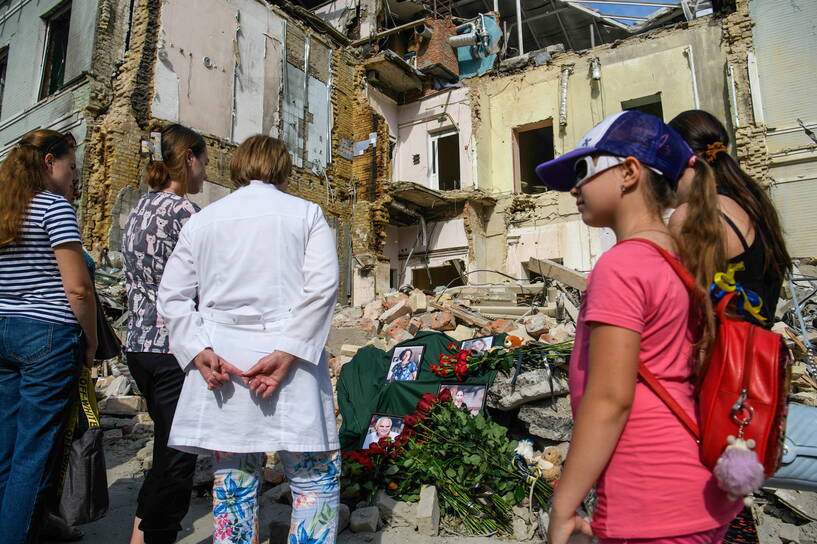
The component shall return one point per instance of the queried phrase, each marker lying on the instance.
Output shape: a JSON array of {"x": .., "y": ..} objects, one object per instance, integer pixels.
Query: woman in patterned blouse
[{"x": 151, "y": 233}]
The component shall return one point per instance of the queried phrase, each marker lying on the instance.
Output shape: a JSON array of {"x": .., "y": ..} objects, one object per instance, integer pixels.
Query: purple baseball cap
[{"x": 625, "y": 134}]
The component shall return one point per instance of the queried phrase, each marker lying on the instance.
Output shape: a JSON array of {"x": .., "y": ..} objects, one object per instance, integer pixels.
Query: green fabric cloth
[{"x": 362, "y": 389}]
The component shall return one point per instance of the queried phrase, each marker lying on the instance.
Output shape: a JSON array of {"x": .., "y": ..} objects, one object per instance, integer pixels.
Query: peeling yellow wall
[{"x": 636, "y": 68}]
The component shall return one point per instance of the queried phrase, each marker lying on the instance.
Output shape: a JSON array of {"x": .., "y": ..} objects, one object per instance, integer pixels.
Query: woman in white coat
[{"x": 247, "y": 297}]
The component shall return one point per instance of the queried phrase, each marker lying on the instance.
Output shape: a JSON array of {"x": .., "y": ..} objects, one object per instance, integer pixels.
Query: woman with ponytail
[
  {"x": 650, "y": 483},
  {"x": 47, "y": 321},
  {"x": 751, "y": 228},
  {"x": 749, "y": 220},
  {"x": 151, "y": 232}
]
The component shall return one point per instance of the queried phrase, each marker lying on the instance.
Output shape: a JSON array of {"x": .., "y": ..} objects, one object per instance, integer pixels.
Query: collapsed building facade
[{"x": 415, "y": 125}]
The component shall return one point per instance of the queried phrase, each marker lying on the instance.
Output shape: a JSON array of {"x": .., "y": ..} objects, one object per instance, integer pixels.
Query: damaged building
[{"x": 415, "y": 124}]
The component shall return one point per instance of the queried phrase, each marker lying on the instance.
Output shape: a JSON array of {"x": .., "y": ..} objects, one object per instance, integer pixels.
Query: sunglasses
[{"x": 585, "y": 168}]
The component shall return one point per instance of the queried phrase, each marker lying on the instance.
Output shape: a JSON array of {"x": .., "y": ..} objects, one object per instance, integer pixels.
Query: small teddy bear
[
  {"x": 512, "y": 342},
  {"x": 550, "y": 463}
]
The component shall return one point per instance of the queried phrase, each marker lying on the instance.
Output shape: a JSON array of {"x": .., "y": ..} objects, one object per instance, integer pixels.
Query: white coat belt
[{"x": 230, "y": 318}]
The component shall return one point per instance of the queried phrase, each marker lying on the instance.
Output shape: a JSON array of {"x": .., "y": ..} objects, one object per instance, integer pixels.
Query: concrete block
[
  {"x": 417, "y": 301},
  {"x": 428, "y": 511},
  {"x": 789, "y": 533},
  {"x": 343, "y": 517},
  {"x": 545, "y": 422},
  {"x": 278, "y": 518},
  {"x": 365, "y": 520},
  {"x": 395, "y": 513},
  {"x": 462, "y": 333},
  {"x": 391, "y": 299},
  {"x": 119, "y": 386},
  {"x": 281, "y": 494},
  {"x": 112, "y": 435},
  {"x": 538, "y": 324},
  {"x": 530, "y": 387},
  {"x": 398, "y": 310},
  {"x": 373, "y": 309},
  {"x": 122, "y": 406},
  {"x": 349, "y": 350}
]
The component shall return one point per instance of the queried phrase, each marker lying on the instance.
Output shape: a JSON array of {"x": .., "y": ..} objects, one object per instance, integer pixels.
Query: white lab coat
[{"x": 263, "y": 266}]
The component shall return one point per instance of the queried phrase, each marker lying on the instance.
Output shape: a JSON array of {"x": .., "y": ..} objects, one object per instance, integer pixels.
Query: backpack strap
[{"x": 648, "y": 377}]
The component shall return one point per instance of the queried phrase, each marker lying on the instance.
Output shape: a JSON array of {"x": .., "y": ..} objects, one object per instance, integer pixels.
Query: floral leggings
[{"x": 314, "y": 479}]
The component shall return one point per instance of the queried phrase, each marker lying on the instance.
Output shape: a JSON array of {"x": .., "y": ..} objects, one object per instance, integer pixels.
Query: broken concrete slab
[
  {"x": 395, "y": 513},
  {"x": 428, "y": 511},
  {"x": 343, "y": 517},
  {"x": 463, "y": 314},
  {"x": 365, "y": 520},
  {"x": 118, "y": 387},
  {"x": 281, "y": 493},
  {"x": 789, "y": 533},
  {"x": 551, "y": 269},
  {"x": 349, "y": 350},
  {"x": 802, "y": 503},
  {"x": 550, "y": 419},
  {"x": 462, "y": 333},
  {"x": 278, "y": 517},
  {"x": 530, "y": 387},
  {"x": 128, "y": 405}
]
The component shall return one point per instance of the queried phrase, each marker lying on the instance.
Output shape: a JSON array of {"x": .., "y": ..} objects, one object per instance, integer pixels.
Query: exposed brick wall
[
  {"x": 120, "y": 118},
  {"x": 437, "y": 50},
  {"x": 750, "y": 137}
]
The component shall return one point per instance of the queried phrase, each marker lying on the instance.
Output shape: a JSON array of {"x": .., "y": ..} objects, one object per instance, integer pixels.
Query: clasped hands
[{"x": 263, "y": 378}]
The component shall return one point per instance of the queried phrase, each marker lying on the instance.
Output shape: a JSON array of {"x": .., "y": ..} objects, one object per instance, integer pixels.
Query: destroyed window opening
[
  {"x": 57, "y": 25},
  {"x": 646, "y": 104},
  {"x": 524, "y": 151}
]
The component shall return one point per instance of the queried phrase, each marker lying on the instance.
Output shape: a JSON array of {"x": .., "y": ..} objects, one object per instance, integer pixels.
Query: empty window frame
[
  {"x": 428, "y": 278},
  {"x": 646, "y": 104},
  {"x": 532, "y": 145},
  {"x": 56, "y": 49},
  {"x": 4, "y": 61},
  {"x": 444, "y": 166}
]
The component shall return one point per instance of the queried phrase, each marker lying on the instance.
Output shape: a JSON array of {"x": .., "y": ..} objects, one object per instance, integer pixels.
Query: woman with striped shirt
[{"x": 47, "y": 320}]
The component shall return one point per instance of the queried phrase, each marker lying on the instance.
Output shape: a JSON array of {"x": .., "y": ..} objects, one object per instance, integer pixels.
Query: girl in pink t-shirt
[{"x": 650, "y": 483}]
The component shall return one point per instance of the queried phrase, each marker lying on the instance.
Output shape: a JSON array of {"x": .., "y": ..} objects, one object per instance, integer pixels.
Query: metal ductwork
[
  {"x": 462, "y": 40},
  {"x": 423, "y": 32}
]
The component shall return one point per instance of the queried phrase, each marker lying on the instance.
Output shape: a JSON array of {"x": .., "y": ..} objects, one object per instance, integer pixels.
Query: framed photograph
[
  {"x": 479, "y": 345},
  {"x": 405, "y": 364},
  {"x": 467, "y": 397},
  {"x": 382, "y": 426}
]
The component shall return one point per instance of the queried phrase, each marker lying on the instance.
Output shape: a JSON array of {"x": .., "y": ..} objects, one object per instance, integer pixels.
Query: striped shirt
[{"x": 30, "y": 281}]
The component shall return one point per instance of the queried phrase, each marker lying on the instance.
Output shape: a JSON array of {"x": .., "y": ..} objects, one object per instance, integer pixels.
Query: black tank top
[{"x": 754, "y": 277}]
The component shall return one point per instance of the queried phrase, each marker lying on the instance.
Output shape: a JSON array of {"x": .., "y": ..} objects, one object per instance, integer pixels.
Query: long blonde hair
[
  {"x": 701, "y": 244},
  {"x": 23, "y": 174}
]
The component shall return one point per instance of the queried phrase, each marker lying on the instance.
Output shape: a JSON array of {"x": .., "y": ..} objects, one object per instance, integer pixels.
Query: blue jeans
[{"x": 39, "y": 366}]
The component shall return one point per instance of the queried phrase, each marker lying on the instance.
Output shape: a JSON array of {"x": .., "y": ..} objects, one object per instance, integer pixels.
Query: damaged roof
[{"x": 579, "y": 24}]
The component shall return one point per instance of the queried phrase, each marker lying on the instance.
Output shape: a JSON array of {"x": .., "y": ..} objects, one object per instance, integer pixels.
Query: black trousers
[{"x": 165, "y": 495}]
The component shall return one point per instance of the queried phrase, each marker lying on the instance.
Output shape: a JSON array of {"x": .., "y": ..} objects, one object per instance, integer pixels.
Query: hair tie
[
  {"x": 692, "y": 160},
  {"x": 712, "y": 151}
]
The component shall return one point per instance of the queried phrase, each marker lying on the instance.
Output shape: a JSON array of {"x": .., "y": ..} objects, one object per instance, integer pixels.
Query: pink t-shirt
[{"x": 655, "y": 484}]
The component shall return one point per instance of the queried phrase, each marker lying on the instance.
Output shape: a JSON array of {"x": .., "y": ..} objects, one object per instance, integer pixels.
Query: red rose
[
  {"x": 445, "y": 395},
  {"x": 452, "y": 346},
  {"x": 410, "y": 420},
  {"x": 424, "y": 406},
  {"x": 428, "y": 397},
  {"x": 384, "y": 442},
  {"x": 375, "y": 448}
]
